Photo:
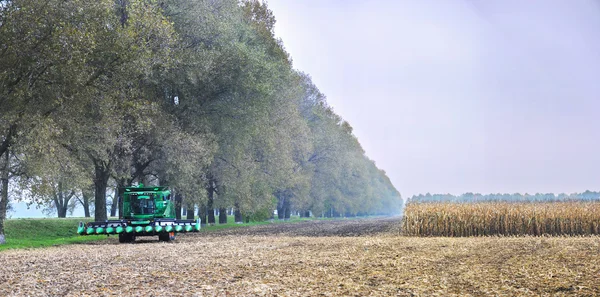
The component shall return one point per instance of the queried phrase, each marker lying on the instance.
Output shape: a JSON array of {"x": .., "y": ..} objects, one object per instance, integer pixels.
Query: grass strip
[
  {"x": 35, "y": 233},
  {"x": 38, "y": 233}
]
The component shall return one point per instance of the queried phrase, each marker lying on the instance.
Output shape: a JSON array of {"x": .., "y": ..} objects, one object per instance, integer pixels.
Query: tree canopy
[{"x": 194, "y": 94}]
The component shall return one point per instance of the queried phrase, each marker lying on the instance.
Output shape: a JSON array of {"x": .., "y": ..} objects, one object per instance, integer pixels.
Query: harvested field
[
  {"x": 342, "y": 228},
  {"x": 281, "y": 261}
]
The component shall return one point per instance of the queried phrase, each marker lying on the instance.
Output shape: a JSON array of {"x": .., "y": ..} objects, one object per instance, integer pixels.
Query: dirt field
[{"x": 324, "y": 258}]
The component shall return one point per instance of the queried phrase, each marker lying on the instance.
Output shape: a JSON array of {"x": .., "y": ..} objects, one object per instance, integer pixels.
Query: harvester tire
[
  {"x": 166, "y": 237},
  {"x": 126, "y": 238}
]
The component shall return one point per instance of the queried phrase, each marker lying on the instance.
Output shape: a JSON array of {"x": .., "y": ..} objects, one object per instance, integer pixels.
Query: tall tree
[{"x": 198, "y": 95}]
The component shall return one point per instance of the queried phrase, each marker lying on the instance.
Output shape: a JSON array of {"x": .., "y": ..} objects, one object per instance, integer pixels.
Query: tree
[
  {"x": 85, "y": 199},
  {"x": 113, "y": 108},
  {"x": 4, "y": 175},
  {"x": 50, "y": 174},
  {"x": 79, "y": 49},
  {"x": 197, "y": 95}
]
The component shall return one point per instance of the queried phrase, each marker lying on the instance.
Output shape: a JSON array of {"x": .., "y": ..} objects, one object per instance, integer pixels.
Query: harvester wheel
[
  {"x": 166, "y": 237},
  {"x": 163, "y": 237},
  {"x": 126, "y": 238}
]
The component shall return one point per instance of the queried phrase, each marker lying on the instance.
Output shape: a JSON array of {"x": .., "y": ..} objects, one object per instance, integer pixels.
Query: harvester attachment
[{"x": 128, "y": 229}]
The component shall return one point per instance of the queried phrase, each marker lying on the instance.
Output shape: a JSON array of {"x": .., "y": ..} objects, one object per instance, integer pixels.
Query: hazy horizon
[{"x": 459, "y": 96}]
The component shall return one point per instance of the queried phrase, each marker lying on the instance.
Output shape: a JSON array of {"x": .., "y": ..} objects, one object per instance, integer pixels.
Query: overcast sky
[{"x": 454, "y": 96}]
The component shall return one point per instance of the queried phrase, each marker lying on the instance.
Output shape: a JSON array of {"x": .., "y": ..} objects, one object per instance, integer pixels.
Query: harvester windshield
[{"x": 142, "y": 205}]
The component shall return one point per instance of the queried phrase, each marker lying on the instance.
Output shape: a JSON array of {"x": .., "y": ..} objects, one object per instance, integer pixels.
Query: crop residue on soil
[{"x": 251, "y": 261}]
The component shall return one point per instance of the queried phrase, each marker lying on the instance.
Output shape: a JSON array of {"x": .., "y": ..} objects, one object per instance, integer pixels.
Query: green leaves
[{"x": 191, "y": 94}]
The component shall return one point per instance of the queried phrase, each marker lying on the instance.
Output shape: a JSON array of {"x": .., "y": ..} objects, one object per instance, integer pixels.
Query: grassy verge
[{"x": 34, "y": 233}]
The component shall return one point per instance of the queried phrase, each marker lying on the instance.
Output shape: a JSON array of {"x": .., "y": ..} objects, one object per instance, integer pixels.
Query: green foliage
[{"x": 198, "y": 95}]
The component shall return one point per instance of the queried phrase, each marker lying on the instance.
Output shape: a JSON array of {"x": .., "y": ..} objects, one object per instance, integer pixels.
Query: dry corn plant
[{"x": 501, "y": 218}]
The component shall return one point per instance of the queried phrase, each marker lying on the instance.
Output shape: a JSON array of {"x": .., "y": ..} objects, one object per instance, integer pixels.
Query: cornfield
[{"x": 504, "y": 218}]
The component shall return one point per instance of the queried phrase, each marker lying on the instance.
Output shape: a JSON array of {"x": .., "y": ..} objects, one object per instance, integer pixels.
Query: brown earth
[
  {"x": 341, "y": 228},
  {"x": 322, "y": 258}
]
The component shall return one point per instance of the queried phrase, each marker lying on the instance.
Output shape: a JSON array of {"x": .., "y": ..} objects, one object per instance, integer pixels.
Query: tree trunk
[
  {"x": 61, "y": 207},
  {"x": 86, "y": 203},
  {"x": 62, "y": 213},
  {"x": 3, "y": 193},
  {"x": 58, "y": 204},
  {"x": 5, "y": 145},
  {"x": 61, "y": 201},
  {"x": 287, "y": 209},
  {"x": 114, "y": 205},
  {"x": 202, "y": 213},
  {"x": 284, "y": 209},
  {"x": 238, "y": 214},
  {"x": 178, "y": 200},
  {"x": 100, "y": 183},
  {"x": 222, "y": 215},
  {"x": 190, "y": 212},
  {"x": 209, "y": 205},
  {"x": 280, "y": 205},
  {"x": 119, "y": 192}
]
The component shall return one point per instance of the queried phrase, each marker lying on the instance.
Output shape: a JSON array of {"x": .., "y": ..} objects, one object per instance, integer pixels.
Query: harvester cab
[{"x": 143, "y": 211}]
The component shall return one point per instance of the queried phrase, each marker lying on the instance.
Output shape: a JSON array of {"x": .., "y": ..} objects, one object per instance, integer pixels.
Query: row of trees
[
  {"x": 516, "y": 197},
  {"x": 195, "y": 94}
]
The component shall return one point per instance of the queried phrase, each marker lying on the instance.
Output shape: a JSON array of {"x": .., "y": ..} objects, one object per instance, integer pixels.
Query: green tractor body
[{"x": 143, "y": 211}]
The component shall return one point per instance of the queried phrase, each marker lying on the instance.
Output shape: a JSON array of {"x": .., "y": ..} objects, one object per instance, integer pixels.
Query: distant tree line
[
  {"x": 195, "y": 94},
  {"x": 516, "y": 197}
]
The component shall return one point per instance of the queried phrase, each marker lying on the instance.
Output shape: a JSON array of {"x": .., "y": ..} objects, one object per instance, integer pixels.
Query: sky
[{"x": 455, "y": 96}]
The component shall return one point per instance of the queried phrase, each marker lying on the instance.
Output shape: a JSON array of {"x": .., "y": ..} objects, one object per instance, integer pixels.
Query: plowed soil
[
  {"x": 341, "y": 228},
  {"x": 320, "y": 258}
]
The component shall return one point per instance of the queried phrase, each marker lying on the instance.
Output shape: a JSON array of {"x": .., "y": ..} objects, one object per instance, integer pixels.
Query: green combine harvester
[{"x": 143, "y": 211}]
